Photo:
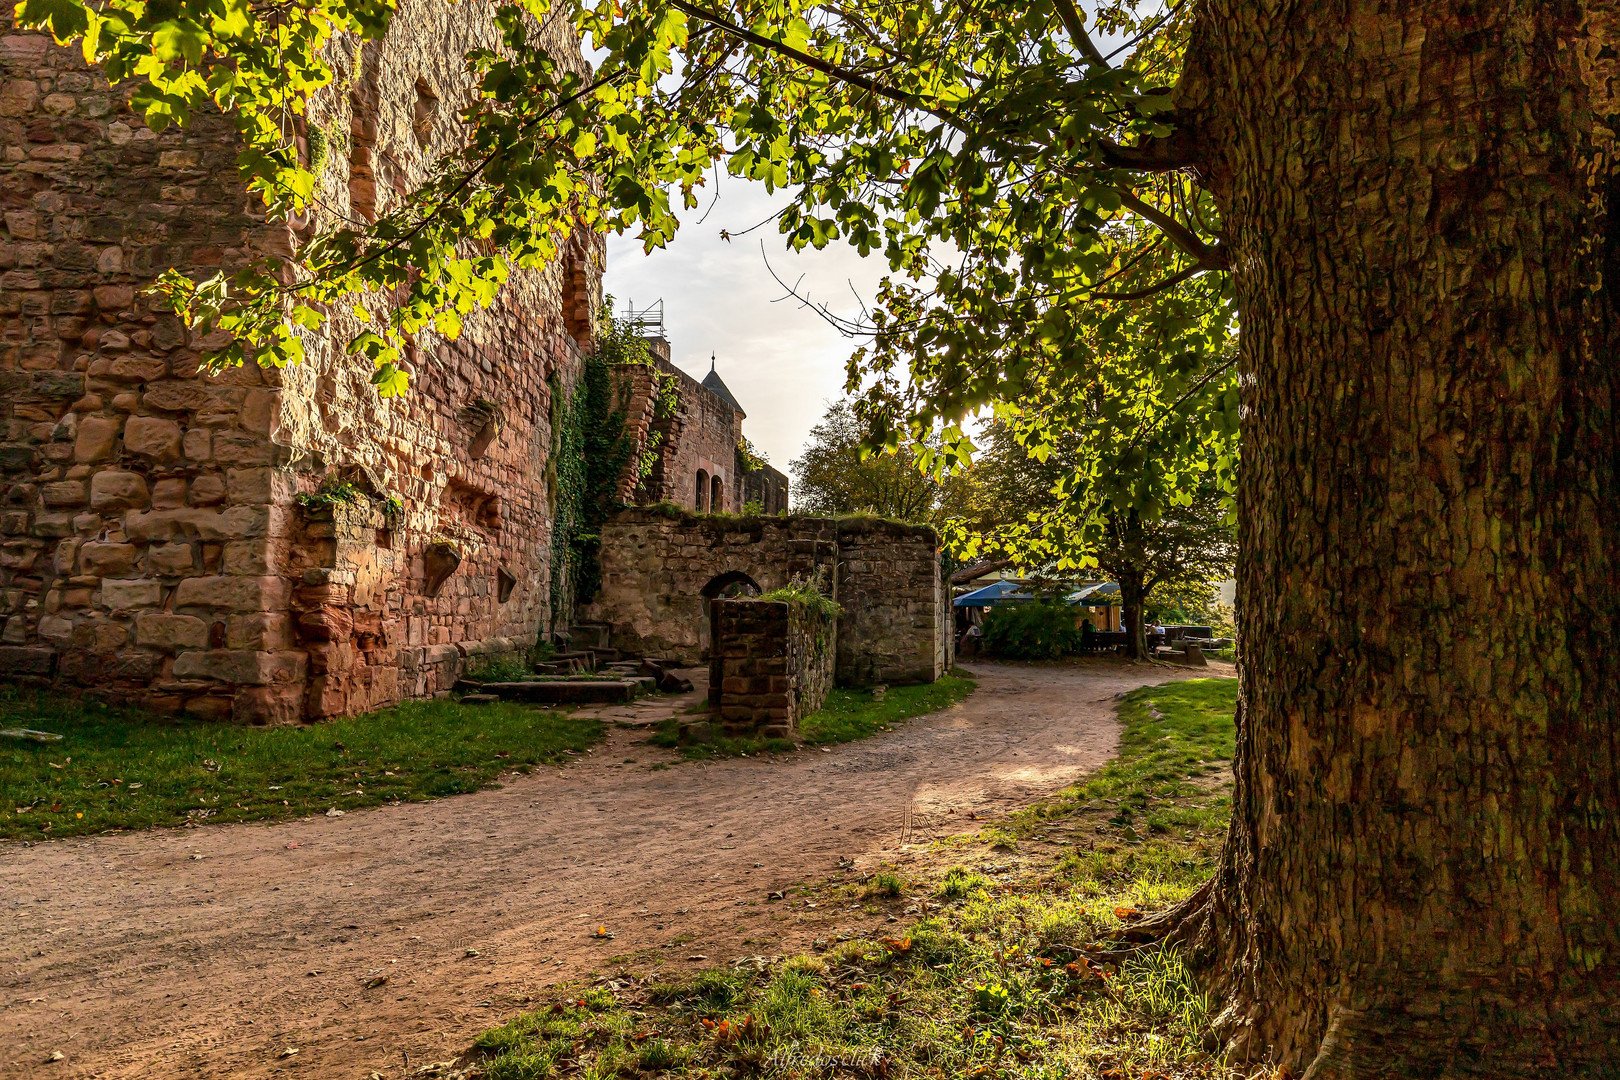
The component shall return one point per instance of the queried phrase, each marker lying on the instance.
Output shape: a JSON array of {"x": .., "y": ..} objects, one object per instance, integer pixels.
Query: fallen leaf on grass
[
  {"x": 57, "y": 1055},
  {"x": 697, "y": 956},
  {"x": 1127, "y": 914},
  {"x": 604, "y": 933},
  {"x": 899, "y": 945},
  {"x": 334, "y": 812}
]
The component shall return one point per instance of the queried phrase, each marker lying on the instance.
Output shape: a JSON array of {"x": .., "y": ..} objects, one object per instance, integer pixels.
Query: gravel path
[{"x": 210, "y": 952}]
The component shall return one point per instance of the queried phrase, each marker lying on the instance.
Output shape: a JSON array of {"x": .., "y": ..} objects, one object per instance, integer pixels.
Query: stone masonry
[
  {"x": 661, "y": 568},
  {"x": 770, "y": 664},
  {"x": 152, "y": 547},
  {"x": 700, "y": 464}
]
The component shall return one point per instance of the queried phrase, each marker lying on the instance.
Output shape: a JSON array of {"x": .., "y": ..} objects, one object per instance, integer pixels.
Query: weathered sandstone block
[{"x": 153, "y": 437}]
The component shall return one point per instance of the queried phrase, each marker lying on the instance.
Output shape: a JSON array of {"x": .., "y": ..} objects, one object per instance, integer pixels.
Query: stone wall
[
  {"x": 896, "y": 626},
  {"x": 771, "y": 664},
  {"x": 707, "y": 431},
  {"x": 150, "y": 543},
  {"x": 766, "y": 486},
  {"x": 661, "y": 568}
]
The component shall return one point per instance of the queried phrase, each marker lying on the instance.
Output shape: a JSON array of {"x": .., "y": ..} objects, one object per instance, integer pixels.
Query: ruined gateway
[{"x": 154, "y": 547}]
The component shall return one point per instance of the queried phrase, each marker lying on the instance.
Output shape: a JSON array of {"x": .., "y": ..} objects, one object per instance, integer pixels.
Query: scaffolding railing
[{"x": 648, "y": 320}]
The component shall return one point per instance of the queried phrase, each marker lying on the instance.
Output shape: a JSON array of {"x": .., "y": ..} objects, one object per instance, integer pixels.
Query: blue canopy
[
  {"x": 1017, "y": 592},
  {"x": 1104, "y": 595},
  {"x": 1002, "y": 592}
]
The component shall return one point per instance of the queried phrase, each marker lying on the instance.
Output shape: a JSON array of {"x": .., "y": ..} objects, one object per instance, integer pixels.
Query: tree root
[{"x": 1175, "y": 926}]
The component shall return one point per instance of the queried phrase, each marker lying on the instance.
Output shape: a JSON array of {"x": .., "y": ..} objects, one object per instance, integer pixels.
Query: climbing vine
[
  {"x": 591, "y": 448},
  {"x": 752, "y": 459}
]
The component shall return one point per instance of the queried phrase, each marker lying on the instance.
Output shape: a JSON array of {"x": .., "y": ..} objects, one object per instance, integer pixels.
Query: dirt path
[{"x": 208, "y": 952}]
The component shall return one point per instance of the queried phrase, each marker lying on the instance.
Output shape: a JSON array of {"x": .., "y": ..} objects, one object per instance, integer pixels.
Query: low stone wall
[
  {"x": 662, "y": 568},
  {"x": 770, "y": 665},
  {"x": 895, "y": 627}
]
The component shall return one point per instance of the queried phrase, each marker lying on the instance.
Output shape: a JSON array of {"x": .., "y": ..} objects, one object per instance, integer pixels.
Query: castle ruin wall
[{"x": 151, "y": 548}]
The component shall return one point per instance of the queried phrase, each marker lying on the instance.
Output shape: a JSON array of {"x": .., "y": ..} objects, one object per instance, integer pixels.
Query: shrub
[
  {"x": 805, "y": 594},
  {"x": 1035, "y": 631}
]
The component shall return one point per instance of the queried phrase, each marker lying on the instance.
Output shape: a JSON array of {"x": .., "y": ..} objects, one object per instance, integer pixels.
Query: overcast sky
[{"x": 782, "y": 361}]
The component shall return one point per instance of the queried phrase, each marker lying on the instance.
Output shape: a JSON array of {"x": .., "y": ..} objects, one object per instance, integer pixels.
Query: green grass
[
  {"x": 500, "y": 669},
  {"x": 1177, "y": 740},
  {"x": 1007, "y": 979},
  {"x": 122, "y": 770},
  {"x": 846, "y": 716},
  {"x": 1001, "y": 986}
]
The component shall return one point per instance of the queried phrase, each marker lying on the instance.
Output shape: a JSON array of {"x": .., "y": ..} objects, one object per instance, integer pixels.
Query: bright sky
[{"x": 781, "y": 360}]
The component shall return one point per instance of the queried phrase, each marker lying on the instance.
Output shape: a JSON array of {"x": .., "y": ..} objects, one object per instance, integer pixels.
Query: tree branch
[
  {"x": 1076, "y": 26},
  {"x": 815, "y": 63},
  {"x": 1168, "y": 283},
  {"x": 1178, "y": 150},
  {"x": 1209, "y": 258}
]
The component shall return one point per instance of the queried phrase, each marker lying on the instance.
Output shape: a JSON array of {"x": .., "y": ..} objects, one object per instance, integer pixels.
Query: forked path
[{"x": 212, "y": 952}]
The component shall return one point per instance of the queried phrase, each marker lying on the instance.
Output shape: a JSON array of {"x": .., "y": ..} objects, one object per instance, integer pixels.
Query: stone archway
[
  {"x": 728, "y": 586},
  {"x": 731, "y": 584}
]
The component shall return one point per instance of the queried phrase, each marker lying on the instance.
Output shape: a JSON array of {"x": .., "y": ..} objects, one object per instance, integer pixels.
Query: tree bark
[
  {"x": 1133, "y": 602},
  {"x": 1422, "y": 876}
]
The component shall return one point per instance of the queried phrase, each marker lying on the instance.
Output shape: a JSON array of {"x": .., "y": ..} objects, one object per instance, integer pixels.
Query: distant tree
[
  {"x": 832, "y": 477},
  {"x": 1028, "y": 506}
]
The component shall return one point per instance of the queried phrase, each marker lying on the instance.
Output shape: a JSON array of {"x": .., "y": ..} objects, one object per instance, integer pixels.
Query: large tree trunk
[
  {"x": 1423, "y": 871},
  {"x": 1133, "y": 603}
]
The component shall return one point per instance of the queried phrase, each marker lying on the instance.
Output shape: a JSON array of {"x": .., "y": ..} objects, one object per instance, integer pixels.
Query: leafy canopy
[
  {"x": 1028, "y": 193},
  {"x": 837, "y": 474}
]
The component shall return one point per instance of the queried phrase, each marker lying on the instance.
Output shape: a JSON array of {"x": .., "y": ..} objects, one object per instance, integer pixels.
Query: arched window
[
  {"x": 701, "y": 503},
  {"x": 717, "y": 496}
]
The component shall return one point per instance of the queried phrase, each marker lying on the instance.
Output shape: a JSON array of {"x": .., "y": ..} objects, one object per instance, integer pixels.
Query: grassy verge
[
  {"x": 847, "y": 715},
  {"x": 1003, "y": 974},
  {"x": 121, "y": 770}
]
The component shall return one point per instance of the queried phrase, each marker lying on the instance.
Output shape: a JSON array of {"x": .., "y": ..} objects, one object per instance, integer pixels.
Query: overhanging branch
[
  {"x": 1178, "y": 150},
  {"x": 1209, "y": 258},
  {"x": 1168, "y": 283},
  {"x": 816, "y": 63}
]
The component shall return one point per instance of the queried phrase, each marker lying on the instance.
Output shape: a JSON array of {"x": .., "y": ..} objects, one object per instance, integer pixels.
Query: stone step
[
  {"x": 590, "y": 635},
  {"x": 563, "y": 691}
]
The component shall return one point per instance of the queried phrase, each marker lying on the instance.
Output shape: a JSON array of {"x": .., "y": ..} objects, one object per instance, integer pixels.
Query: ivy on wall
[{"x": 590, "y": 449}]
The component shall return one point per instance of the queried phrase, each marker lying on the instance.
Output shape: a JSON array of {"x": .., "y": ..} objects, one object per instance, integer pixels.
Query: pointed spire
[{"x": 711, "y": 363}]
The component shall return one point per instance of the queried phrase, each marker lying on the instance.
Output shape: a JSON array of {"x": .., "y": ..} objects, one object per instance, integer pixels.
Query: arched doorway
[
  {"x": 701, "y": 501},
  {"x": 727, "y": 586},
  {"x": 731, "y": 584},
  {"x": 717, "y": 496}
]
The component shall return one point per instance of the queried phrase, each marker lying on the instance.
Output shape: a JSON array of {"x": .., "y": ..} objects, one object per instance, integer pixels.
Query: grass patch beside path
[
  {"x": 121, "y": 770},
  {"x": 854, "y": 714},
  {"x": 1002, "y": 973},
  {"x": 847, "y": 715}
]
